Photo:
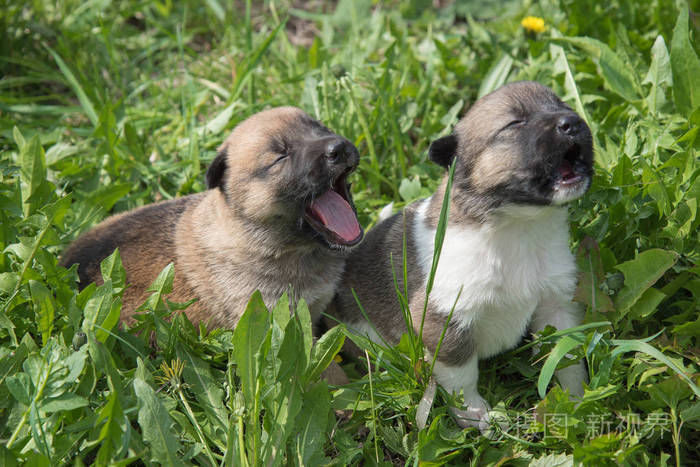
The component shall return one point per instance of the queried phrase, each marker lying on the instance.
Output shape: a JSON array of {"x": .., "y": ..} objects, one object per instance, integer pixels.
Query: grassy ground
[{"x": 108, "y": 106}]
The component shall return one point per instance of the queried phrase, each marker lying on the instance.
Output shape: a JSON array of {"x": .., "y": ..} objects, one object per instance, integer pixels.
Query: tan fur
[
  {"x": 495, "y": 166},
  {"x": 241, "y": 236}
]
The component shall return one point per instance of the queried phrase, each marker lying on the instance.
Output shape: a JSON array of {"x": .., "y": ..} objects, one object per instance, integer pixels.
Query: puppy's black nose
[
  {"x": 569, "y": 125},
  {"x": 338, "y": 150}
]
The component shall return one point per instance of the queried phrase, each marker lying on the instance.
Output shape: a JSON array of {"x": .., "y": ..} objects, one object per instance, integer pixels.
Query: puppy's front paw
[{"x": 474, "y": 414}]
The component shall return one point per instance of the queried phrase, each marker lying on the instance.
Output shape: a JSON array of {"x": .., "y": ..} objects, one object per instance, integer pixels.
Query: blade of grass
[
  {"x": 439, "y": 239},
  {"x": 77, "y": 88}
]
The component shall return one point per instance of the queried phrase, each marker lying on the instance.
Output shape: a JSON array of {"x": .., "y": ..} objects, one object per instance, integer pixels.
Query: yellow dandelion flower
[
  {"x": 533, "y": 24},
  {"x": 171, "y": 373}
]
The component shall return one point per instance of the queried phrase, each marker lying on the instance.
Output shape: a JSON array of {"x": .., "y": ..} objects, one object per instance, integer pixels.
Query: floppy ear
[
  {"x": 215, "y": 172},
  {"x": 442, "y": 151}
]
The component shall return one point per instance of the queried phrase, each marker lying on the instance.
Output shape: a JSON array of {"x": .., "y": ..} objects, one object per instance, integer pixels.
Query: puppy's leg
[
  {"x": 562, "y": 313},
  {"x": 465, "y": 377}
]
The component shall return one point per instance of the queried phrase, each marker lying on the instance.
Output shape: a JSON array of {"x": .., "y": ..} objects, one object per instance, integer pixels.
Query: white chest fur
[{"x": 501, "y": 271}]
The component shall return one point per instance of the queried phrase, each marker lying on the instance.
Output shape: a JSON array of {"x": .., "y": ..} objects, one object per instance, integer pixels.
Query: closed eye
[
  {"x": 515, "y": 123},
  {"x": 279, "y": 159}
]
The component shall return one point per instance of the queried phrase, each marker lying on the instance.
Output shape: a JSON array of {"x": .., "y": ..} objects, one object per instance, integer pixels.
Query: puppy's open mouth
[
  {"x": 570, "y": 169},
  {"x": 332, "y": 215},
  {"x": 573, "y": 176}
]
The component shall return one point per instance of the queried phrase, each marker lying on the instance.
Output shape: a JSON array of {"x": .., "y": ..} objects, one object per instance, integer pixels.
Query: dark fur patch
[
  {"x": 442, "y": 151},
  {"x": 217, "y": 170}
]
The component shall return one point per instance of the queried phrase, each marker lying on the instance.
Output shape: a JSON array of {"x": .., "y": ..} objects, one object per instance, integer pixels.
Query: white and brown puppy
[
  {"x": 278, "y": 216},
  {"x": 520, "y": 155}
]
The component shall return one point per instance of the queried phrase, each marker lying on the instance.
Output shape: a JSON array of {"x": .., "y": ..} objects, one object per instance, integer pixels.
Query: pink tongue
[
  {"x": 336, "y": 215},
  {"x": 566, "y": 170}
]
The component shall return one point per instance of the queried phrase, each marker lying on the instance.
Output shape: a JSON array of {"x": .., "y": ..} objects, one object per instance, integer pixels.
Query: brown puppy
[
  {"x": 520, "y": 155},
  {"x": 278, "y": 217}
]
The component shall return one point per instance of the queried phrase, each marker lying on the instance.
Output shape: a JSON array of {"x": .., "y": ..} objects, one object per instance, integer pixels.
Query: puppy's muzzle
[
  {"x": 341, "y": 155},
  {"x": 574, "y": 171},
  {"x": 331, "y": 213},
  {"x": 570, "y": 125}
]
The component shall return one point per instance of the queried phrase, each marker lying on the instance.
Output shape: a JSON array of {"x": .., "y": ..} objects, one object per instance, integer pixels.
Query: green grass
[{"x": 108, "y": 106}]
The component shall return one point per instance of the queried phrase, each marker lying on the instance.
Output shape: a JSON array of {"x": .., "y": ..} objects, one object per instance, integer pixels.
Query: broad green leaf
[
  {"x": 60, "y": 151},
  {"x": 350, "y": 398},
  {"x": 112, "y": 269},
  {"x": 616, "y": 73},
  {"x": 9, "y": 326},
  {"x": 36, "y": 367},
  {"x": 647, "y": 303},
  {"x": 496, "y": 76},
  {"x": 20, "y": 386},
  {"x": 301, "y": 310},
  {"x": 691, "y": 328},
  {"x": 100, "y": 311},
  {"x": 43, "y": 308},
  {"x": 65, "y": 401},
  {"x": 161, "y": 286},
  {"x": 434, "y": 450},
  {"x": 685, "y": 67},
  {"x": 19, "y": 139},
  {"x": 281, "y": 312},
  {"x": 291, "y": 357},
  {"x": 113, "y": 437},
  {"x": 164, "y": 282},
  {"x": 659, "y": 74},
  {"x": 11, "y": 361},
  {"x": 281, "y": 409},
  {"x": 691, "y": 413},
  {"x": 56, "y": 211},
  {"x": 23, "y": 250},
  {"x": 156, "y": 426},
  {"x": 209, "y": 394},
  {"x": 670, "y": 391},
  {"x": 562, "y": 347},
  {"x": 641, "y": 273},
  {"x": 248, "y": 339},
  {"x": 104, "y": 365},
  {"x": 74, "y": 363},
  {"x": 680, "y": 223},
  {"x": 312, "y": 425},
  {"x": 323, "y": 352},
  {"x": 32, "y": 171},
  {"x": 8, "y": 281}
]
